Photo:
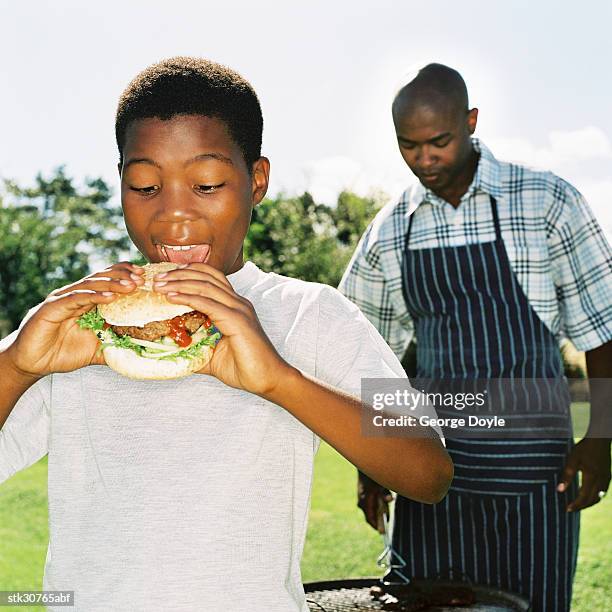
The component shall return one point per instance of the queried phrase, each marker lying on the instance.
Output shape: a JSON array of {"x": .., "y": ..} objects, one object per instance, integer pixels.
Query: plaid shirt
[{"x": 555, "y": 246}]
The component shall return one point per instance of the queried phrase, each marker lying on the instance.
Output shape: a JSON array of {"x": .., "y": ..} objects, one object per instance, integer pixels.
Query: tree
[
  {"x": 353, "y": 214},
  {"x": 88, "y": 216},
  {"x": 295, "y": 237},
  {"x": 48, "y": 233},
  {"x": 299, "y": 238}
]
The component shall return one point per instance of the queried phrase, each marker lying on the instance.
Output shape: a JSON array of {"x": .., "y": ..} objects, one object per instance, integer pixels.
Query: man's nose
[{"x": 426, "y": 158}]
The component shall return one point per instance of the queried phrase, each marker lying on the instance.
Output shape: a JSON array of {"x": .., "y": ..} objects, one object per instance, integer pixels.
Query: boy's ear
[{"x": 260, "y": 178}]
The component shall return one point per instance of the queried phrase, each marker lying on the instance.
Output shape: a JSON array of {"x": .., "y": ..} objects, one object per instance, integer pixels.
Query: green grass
[
  {"x": 23, "y": 530},
  {"x": 339, "y": 544}
]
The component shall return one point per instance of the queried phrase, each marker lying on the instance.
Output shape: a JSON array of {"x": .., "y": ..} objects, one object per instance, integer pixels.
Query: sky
[{"x": 325, "y": 73}]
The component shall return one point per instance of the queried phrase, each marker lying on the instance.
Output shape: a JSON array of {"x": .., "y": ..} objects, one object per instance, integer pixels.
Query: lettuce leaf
[
  {"x": 192, "y": 351},
  {"x": 113, "y": 339},
  {"x": 91, "y": 320},
  {"x": 94, "y": 321}
]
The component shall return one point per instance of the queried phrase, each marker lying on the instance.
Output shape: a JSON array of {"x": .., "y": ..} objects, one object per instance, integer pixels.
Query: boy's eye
[
  {"x": 145, "y": 190},
  {"x": 208, "y": 188},
  {"x": 441, "y": 145}
]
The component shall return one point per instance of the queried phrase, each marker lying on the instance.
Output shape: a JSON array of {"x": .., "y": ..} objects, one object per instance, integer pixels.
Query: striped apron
[{"x": 502, "y": 523}]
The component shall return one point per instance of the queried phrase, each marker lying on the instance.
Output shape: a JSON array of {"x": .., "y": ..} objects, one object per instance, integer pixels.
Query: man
[{"x": 487, "y": 263}]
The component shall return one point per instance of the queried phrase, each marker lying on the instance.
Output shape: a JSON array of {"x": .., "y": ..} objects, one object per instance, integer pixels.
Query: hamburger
[{"x": 144, "y": 336}]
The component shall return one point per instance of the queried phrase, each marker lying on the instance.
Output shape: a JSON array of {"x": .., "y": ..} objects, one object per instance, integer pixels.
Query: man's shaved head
[
  {"x": 436, "y": 87},
  {"x": 434, "y": 126}
]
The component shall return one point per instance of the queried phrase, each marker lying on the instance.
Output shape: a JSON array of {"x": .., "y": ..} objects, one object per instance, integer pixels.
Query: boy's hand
[
  {"x": 244, "y": 358},
  {"x": 50, "y": 340}
]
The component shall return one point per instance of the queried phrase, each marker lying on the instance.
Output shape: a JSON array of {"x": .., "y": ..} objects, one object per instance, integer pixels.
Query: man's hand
[
  {"x": 591, "y": 456},
  {"x": 374, "y": 500},
  {"x": 244, "y": 358},
  {"x": 50, "y": 340}
]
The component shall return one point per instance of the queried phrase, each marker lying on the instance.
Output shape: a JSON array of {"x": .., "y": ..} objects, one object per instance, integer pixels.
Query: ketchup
[
  {"x": 106, "y": 325},
  {"x": 178, "y": 332}
]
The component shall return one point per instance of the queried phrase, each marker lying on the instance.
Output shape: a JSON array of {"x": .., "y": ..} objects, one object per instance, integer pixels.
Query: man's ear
[
  {"x": 260, "y": 174},
  {"x": 472, "y": 120}
]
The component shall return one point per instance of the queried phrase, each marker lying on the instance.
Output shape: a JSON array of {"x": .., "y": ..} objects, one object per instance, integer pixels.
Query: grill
[{"x": 354, "y": 595}]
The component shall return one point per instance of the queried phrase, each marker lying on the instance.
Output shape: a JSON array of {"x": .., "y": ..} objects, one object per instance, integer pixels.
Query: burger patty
[{"x": 156, "y": 329}]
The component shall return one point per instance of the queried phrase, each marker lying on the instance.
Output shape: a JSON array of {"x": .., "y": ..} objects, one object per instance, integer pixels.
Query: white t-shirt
[{"x": 188, "y": 494}]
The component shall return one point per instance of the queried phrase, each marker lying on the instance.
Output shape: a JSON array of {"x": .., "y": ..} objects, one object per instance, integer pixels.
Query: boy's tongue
[{"x": 196, "y": 254}]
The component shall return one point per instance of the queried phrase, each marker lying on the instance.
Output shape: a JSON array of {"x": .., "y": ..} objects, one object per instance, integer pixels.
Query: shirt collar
[
  {"x": 486, "y": 180},
  {"x": 245, "y": 277}
]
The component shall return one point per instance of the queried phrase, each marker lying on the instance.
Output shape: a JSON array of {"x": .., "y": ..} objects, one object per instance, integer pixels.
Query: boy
[{"x": 192, "y": 494}]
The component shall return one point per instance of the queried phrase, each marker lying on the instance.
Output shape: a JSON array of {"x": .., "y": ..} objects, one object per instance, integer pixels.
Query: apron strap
[
  {"x": 498, "y": 235},
  {"x": 409, "y": 229},
  {"x": 493, "y": 201}
]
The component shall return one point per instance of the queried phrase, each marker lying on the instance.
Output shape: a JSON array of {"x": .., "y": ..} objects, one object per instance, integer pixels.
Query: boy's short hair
[{"x": 193, "y": 86}]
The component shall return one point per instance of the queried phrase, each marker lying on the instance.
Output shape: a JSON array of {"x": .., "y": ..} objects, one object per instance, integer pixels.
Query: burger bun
[
  {"x": 143, "y": 305},
  {"x": 130, "y": 364}
]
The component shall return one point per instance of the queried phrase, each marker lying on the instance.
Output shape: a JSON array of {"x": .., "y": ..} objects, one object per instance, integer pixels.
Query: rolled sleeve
[
  {"x": 581, "y": 261},
  {"x": 364, "y": 284}
]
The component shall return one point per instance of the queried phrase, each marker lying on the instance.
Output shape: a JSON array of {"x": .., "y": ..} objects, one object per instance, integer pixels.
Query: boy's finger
[
  {"x": 122, "y": 272},
  {"x": 196, "y": 275},
  {"x": 106, "y": 275},
  {"x": 62, "y": 307},
  {"x": 100, "y": 284},
  {"x": 216, "y": 311},
  {"x": 81, "y": 298},
  {"x": 199, "y": 287},
  {"x": 127, "y": 265},
  {"x": 202, "y": 267}
]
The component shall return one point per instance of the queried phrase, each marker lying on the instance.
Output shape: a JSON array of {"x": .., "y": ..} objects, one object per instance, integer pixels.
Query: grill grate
[
  {"x": 342, "y": 600},
  {"x": 354, "y": 596}
]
